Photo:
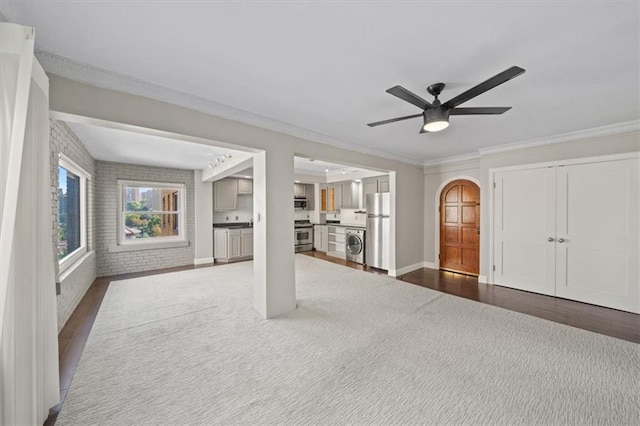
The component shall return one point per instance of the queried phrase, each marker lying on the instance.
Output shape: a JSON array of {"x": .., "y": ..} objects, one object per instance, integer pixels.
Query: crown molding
[
  {"x": 99, "y": 77},
  {"x": 449, "y": 160},
  {"x": 596, "y": 132}
]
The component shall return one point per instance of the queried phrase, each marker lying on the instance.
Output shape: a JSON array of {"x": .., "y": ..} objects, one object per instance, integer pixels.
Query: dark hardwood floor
[
  {"x": 611, "y": 322},
  {"x": 622, "y": 325}
]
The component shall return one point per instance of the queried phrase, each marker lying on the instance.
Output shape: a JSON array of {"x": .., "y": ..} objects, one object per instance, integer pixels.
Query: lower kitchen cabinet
[
  {"x": 232, "y": 244},
  {"x": 246, "y": 236},
  {"x": 320, "y": 238},
  {"x": 336, "y": 241}
]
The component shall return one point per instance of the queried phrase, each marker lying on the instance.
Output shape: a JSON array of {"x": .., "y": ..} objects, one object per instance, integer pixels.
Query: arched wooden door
[{"x": 460, "y": 227}]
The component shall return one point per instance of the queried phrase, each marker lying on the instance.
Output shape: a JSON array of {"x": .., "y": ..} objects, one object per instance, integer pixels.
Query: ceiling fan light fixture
[{"x": 435, "y": 119}]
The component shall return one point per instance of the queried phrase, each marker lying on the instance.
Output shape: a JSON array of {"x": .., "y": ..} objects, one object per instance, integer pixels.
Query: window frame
[
  {"x": 71, "y": 258},
  {"x": 155, "y": 242}
]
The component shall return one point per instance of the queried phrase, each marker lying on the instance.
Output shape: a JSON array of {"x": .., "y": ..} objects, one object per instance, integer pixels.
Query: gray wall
[
  {"x": 83, "y": 100},
  {"x": 75, "y": 282},
  {"x": 113, "y": 263}
]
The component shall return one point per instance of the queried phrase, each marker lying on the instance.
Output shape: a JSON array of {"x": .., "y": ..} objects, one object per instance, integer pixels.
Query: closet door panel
[
  {"x": 597, "y": 230},
  {"x": 524, "y": 220}
]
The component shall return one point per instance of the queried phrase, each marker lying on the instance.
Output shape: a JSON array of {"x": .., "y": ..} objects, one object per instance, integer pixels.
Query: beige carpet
[{"x": 187, "y": 348}]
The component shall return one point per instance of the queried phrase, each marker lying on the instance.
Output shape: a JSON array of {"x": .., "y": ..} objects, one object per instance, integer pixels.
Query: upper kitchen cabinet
[
  {"x": 225, "y": 194},
  {"x": 374, "y": 185},
  {"x": 323, "y": 198},
  {"x": 310, "y": 194},
  {"x": 299, "y": 190},
  {"x": 334, "y": 197},
  {"x": 350, "y": 195},
  {"x": 383, "y": 184},
  {"x": 245, "y": 187}
]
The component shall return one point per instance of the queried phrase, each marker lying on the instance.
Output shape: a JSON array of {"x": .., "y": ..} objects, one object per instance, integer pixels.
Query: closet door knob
[
  {"x": 550, "y": 239},
  {"x": 561, "y": 240}
]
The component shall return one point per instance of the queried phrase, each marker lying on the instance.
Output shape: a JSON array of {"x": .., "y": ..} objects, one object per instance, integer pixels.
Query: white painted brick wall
[
  {"x": 106, "y": 205},
  {"x": 75, "y": 285}
]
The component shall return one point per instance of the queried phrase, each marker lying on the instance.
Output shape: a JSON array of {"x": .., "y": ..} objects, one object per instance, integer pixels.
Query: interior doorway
[{"x": 460, "y": 227}]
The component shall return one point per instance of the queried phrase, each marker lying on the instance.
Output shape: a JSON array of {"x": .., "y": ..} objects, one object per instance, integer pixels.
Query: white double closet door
[{"x": 570, "y": 231}]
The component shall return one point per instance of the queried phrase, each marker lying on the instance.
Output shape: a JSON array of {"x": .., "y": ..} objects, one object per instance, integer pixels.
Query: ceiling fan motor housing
[{"x": 436, "y": 114}]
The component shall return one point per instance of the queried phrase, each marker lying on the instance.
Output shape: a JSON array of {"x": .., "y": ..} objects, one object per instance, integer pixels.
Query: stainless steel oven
[{"x": 303, "y": 237}]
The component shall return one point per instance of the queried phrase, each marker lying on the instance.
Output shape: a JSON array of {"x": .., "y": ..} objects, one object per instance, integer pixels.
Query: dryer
[{"x": 354, "y": 243}]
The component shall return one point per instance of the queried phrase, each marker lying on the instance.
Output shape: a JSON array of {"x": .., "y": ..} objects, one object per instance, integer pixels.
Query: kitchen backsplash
[
  {"x": 302, "y": 214},
  {"x": 243, "y": 212},
  {"x": 350, "y": 217}
]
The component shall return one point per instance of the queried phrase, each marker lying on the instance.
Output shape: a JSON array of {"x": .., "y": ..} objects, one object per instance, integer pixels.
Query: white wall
[
  {"x": 203, "y": 238},
  {"x": 437, "y": 176}
]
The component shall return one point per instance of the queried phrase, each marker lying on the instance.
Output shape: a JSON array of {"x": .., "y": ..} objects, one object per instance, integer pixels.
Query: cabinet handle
[
  {"x": 550, "y": 239},
  {"x": 561, "y": 240}
]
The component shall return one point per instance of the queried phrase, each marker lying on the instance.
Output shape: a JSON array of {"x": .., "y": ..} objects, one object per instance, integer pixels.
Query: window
[
  {"x": 151, "y": 212},
  {"x": 72, "y": 227}
]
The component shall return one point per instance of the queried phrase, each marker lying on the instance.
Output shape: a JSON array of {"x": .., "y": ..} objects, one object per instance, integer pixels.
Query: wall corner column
[{"x": 274, "y": 290}]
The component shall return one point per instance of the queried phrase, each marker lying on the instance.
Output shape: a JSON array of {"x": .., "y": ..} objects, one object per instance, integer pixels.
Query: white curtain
[{"x": 28, "y": 344}]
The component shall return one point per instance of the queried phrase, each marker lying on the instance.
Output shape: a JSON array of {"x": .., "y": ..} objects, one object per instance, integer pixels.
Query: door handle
[
  {"x": 550, "y": 239},
  {"x": 561, "y": 240}
]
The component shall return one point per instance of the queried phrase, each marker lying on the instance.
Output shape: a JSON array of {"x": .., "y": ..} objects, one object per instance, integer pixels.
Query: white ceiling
[
  {"x": 322, "y": 68},
  {"x": 122, "y": 146}
]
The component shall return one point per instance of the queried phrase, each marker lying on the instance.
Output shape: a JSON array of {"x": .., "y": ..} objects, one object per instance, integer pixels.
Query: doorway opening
[{"x": 460, "y": 227}]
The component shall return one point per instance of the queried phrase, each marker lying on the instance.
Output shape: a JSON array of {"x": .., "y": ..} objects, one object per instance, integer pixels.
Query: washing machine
[{"x": 355, "y": 245}]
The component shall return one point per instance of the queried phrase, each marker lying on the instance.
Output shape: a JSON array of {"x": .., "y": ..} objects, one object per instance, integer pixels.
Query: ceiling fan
[{"x": 436, "y": 115}]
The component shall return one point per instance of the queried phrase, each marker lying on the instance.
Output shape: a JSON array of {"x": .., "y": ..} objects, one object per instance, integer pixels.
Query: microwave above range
[{"x": 300, "y": 203}]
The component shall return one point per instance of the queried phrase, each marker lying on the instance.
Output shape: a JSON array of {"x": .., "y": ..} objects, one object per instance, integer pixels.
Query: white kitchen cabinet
[
  {"x": 299, "y": 190},
  {"x": 336, "y": 237},
  {"x": 235, "y": 244},
  {"x": 320, "y": 238},
  {"x": 246, "y": 236},
  {"x": 570, "y": 231},
  {"x": 225, "y": 194},
  {"x": 350, "y": 195},
  {"x": 383, "y": 184},
  {"x": 310, "y": 194},
  {"x": 232, "y": 244},
  {"x": 245, "y": 187},
  {"x": 220, "y": 244},
  {"x": 372, "y": 186}
]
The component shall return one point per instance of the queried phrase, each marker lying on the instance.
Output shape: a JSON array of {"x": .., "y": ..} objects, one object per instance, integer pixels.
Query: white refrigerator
[{"x": 378, "y": 235}]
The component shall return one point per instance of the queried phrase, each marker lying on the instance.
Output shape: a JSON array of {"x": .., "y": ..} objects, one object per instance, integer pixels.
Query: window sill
[
  {"x": 122, "y": 248},
  {"x": 80, "y": 261}
]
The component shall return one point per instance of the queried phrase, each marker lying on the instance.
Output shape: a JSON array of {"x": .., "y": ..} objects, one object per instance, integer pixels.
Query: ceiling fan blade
[
  {"x": 408, "y": 96},
  {"x": 479, "y": 111},
  {"x": 494, "y": 81},
  {"x": 393, "y": 120}
]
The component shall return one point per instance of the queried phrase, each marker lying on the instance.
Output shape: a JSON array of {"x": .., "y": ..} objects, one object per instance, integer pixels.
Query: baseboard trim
[
  {"x": 482, "y": 279},
  {"x": 397, "y": 272},
  {"x": 203, "y": 261},
  {"x": 429, "y": 265}
]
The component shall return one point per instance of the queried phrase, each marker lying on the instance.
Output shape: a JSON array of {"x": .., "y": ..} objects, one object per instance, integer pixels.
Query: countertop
[
  {"x": 233, "y": 225},
  {"x": 342, "y": 225}
]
